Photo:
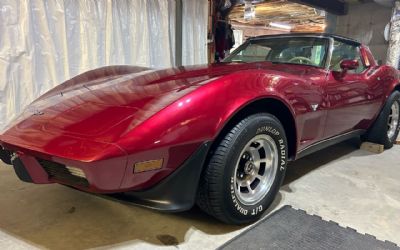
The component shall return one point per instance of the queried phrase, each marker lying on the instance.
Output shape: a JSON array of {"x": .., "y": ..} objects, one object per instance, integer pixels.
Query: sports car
[{"x": 219, "y": 136}]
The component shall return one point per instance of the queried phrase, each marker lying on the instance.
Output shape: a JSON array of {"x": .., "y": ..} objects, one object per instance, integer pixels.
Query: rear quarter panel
[{"x": 390, "y": 79}]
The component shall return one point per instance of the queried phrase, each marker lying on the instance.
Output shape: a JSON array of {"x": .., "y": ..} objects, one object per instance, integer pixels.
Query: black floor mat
[{"x": 289, "y": 228}]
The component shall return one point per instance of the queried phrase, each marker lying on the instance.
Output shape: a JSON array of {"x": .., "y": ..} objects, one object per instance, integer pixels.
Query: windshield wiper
[
  {"x": 233, "y": 61},
  {"x": 291, "y": 63}
]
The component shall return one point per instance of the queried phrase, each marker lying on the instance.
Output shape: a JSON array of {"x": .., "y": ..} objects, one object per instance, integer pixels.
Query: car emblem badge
[
  {"x": 314, "y": 107},
  {"x": 37, "y": 112}
]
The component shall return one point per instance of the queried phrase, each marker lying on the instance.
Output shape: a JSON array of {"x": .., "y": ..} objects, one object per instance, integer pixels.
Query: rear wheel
[
  {"x": 245, "y": 170},
  {"x": 386, "y": 127},
  {"x": 393, "y": 121}
]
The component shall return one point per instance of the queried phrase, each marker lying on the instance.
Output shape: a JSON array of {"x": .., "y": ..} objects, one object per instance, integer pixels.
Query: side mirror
[{"x": 346, "y": 65}]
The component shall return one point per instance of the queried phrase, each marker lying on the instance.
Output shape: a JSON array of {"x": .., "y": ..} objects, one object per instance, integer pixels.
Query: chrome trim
[
  {"x": 393, "y": 120},
  {"x": 328, "y": 142},
  {"x": 330, "y": 52},
  {"x": 325, "y": 35},
  {"x": 76, "y": 171}
]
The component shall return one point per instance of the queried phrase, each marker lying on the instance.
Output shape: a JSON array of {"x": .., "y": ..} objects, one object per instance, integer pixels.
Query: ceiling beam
[{"x": 337, "y": 7}]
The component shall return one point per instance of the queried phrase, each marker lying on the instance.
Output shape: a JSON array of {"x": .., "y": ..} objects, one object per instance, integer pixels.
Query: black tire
[
  {"x": 378, "y": 133},
  {"x": 217, "y": 195}
]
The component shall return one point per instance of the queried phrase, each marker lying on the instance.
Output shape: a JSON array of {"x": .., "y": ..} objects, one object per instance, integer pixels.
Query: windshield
[{"x": 310, "y": 51}]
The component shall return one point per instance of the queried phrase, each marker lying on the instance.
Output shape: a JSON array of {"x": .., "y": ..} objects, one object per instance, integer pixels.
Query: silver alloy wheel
[
  {"x": 393, "y": 119},
  {"x": 256, "y": 169}
]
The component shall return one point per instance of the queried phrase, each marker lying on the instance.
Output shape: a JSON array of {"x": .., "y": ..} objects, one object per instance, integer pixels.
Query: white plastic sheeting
[
  {"x": 195, "y": 18},
  {"x": 45, "y": 42}
]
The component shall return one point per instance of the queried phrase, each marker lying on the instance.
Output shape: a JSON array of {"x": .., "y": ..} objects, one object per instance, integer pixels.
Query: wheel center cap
[{"x": 248, "y": 167}]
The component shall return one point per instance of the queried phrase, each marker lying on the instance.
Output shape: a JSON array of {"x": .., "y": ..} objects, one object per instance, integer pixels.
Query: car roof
[{"x": 327, "y": 35}]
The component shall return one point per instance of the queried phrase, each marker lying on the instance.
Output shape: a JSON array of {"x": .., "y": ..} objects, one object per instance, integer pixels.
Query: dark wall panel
[{"x": 336, "y": 7}]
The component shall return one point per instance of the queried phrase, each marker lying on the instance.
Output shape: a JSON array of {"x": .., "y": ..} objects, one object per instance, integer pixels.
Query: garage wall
[
  {"x": 43, "y": 43},
  {"x": 366, "y": 22}
]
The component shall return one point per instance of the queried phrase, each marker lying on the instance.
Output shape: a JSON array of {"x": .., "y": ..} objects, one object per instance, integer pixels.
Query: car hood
[
  {"x": 104, "y": 99},
  {"x": 116, "y": 98}
]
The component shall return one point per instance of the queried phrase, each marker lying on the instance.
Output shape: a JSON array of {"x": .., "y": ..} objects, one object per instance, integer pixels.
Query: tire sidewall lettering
[
  {"x": 267, "y": 130},
  {"x": 236, "y": 203}
]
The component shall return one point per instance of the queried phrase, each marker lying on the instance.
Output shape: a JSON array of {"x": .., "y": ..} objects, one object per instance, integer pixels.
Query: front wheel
[
  {"x": 245, "y": 171},
  {"x": 386, "y": 127}
]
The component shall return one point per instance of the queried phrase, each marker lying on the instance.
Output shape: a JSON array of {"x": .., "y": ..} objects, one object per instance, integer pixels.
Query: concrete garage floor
[{"x": 355, "y": 188}]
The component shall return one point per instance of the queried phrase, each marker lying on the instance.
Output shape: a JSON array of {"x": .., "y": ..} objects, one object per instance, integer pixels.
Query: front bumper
[
  {"x": 176, "y": 192},
  {"x": 97, "y": 177}
]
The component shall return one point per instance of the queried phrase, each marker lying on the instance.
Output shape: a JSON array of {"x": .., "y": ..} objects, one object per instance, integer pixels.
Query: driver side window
[{"x": 343, "y": 51}]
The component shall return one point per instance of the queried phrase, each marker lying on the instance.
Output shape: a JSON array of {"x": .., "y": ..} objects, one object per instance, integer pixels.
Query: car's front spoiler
[{"x": 175, "y": 193}]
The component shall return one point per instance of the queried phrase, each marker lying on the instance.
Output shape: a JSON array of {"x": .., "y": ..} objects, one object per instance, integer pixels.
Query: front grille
[{"x": 62, "y": 173}]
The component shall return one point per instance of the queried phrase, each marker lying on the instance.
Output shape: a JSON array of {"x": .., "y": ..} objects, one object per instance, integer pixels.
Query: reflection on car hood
[{"x": 115, "y": 97}]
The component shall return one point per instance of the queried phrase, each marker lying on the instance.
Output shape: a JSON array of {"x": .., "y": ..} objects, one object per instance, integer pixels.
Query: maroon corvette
[{"x": 218, "y": 135}]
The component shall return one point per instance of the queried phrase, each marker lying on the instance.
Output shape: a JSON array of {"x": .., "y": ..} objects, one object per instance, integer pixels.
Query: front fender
[
  {"x": 199, "y": 115},
  {"x": 174, "y": 133}
]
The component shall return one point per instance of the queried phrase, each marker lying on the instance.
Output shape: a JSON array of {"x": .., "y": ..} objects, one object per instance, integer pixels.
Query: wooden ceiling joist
[{"x": 302, "y": 18}]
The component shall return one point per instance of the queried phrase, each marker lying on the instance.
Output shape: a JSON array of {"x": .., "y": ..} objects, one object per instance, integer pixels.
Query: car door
[
  {"x": 349, "y": 98},
  {"x": 306, "y": 93}
]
